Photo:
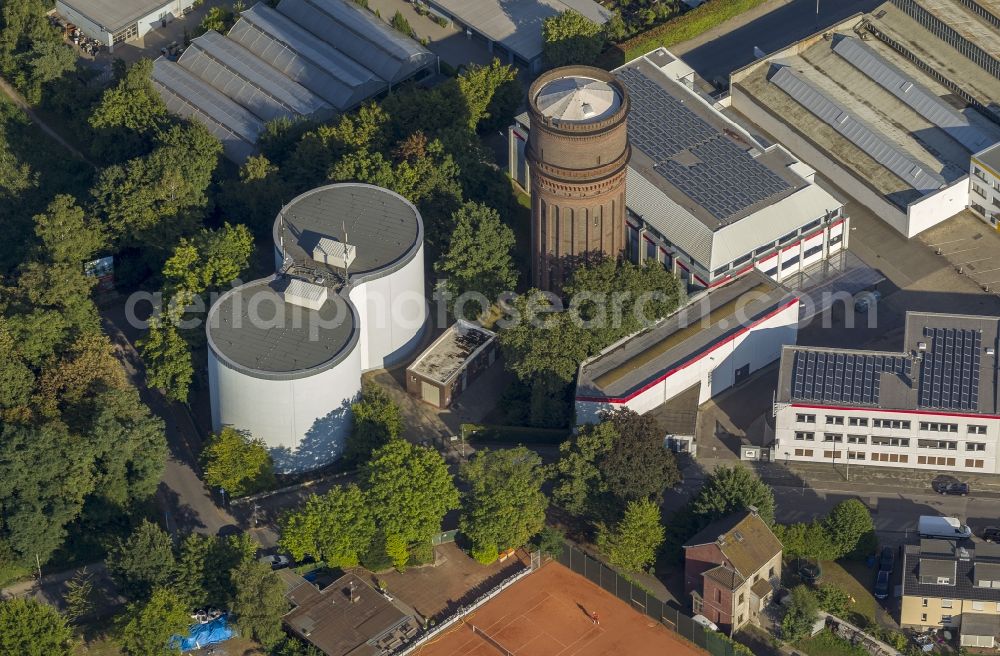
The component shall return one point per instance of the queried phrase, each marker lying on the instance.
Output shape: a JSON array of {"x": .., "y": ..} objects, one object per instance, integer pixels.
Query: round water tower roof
[{"x": 577, "y": 99}]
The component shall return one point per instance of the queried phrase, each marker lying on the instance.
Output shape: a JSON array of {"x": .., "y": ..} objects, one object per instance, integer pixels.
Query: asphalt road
[{"x": 771, "y": 32}]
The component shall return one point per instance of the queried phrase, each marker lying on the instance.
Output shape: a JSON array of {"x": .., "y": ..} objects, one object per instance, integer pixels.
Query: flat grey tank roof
[
  {"x": 279, "y": 341},
  {"x": 384, "y": 227}
]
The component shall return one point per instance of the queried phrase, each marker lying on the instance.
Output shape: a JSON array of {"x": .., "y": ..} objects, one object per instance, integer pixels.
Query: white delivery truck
[{"x": 946, "y": 528}]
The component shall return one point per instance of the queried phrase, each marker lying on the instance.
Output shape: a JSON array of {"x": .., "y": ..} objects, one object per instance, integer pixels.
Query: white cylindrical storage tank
[
  {"x": 286, "y": 353},
  {"x": 383, "y": 235},
  {"x": 284, "y": 372}
]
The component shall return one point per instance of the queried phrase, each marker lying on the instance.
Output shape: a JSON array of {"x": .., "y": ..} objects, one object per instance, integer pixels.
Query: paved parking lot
[{"x": 970, "y": 246}]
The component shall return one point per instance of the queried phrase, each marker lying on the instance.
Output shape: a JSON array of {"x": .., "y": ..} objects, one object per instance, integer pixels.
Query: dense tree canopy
[
  {"x": 375, "y": 421},
  {"x": 31, "y": 628},
  {"x": 733, "y": 489},
  {"x": 144, "y": 561},
  {"x": 479, "y": 257},
  {"x": 578, "y": 480},
  {"x": 800, "y": 615},
  {"x": 259, "y": 602},
  {"x": 504, "y": 506},
  {"x": 409, "y": 491},
  {"x": 146, "y": 626},
  {"x": 32, "y": 52},
  {"x": 239, "y": 464},
  {"x": 571, "y": 38},
  {"x": 336, "y": 527},
  {"x": 632, "y": 544}
]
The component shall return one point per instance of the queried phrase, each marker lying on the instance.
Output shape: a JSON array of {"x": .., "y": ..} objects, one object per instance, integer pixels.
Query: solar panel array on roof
[
  {"x": 843, "y": 377},
  {"x": 949, "y": 377},
  {"x": 188, "y": 96},
  {"x": 304, "y": 57},
  {"x": 236, "y": 72},
  {"x": 921, "y": 99},
  {"x": 694, "y": 156},
  {"x": 875, "y": 144}
]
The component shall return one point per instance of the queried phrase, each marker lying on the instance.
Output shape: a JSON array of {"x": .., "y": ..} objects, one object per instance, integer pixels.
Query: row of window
[
  {"x": 899, "y": 458},
  {"x": 882, "y": 440},
  {"x": 932, "y": 426},
  {"x": 767, "y": 248}
]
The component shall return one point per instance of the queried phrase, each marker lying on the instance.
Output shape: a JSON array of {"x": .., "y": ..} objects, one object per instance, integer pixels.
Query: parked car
[
  {"x": 955, "y": 488},
  {"x": 705, "y": 622},
  {"x": 991, "y": 534},
  {"x": 944, "y": 528},
  {"x": 882, "y": 585},
  {"x": 886, "y": 560},
  {"x": 276, "y": 561}
]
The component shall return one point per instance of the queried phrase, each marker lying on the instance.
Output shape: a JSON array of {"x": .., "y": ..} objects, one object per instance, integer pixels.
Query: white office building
[
  {"x": 932, "y": 405},
  {"x": 984, "y": 185}
]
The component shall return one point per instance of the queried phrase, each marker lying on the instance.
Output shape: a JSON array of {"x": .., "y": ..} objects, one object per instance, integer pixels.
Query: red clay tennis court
[{"x": 548, "y": 614}]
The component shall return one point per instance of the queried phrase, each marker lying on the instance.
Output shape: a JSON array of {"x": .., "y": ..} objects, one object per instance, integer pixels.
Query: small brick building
[
  {"x": 451, "y": 363},
  {"x": 731, "y": 569}
]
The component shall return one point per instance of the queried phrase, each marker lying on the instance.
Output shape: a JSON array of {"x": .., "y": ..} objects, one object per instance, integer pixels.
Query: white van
[{"x": 943, "y": 528}]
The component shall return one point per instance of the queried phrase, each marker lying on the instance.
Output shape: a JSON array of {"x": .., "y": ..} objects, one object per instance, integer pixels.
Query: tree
[
  {"x": 144, "y": 561},
  {"x": 31, "y": 628},
  {"x": 733, "y": 489},
  {"x": 219, "y": 19},
  {"x": 851, "y": 529},
  {"x": 478, "y": 259},
  {"x": 571, "y": 38},
  {"x": 259, "y": 602},
  {"x": 167, "y": 358},
  {"x": 67, "y": 235},
  {"x": 238, "y": 463},
  {"x": 551, "y": 542},
  {"x": 205, "y": 565},
  {"x": 809, "y": 541},
  {"x": 505, "y": 505},
  {"x": 146, "y": 627},
  {"x": 578, "y": 479},
  {"x": 800, "y": 616},
  {"x": 478, "y": 86},
  {"x": 210, "y": 259},
  {"x": 409, "y": 491},
  {"x": 79, "y": 596},
  {"x": 375, "y": 421},
  {"x": 336, "y": 527},
  {"x": 633, "y": 543},
  {"x": 400, "y": 23},
  {"x": 129, "y": 115},
  {"x": 637, "y": 466}
]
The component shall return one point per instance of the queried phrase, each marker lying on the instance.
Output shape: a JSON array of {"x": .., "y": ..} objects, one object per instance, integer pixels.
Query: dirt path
[{"x": 21, "y": 103}]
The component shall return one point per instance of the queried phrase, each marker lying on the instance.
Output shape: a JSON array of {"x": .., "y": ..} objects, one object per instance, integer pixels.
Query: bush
[
  {"x": 833, "y": 600},
  {"x": 801, "y": 614},
  {"x": 484, "y": 554},
  {"x": 377, "y": 560},
  {"x": 551, "y": 542},
  {"x": 422, "y": 553},
  {"x": 400, "y": 23},
  {"x": 686, "y": 26},
  {"x": 441, "y": 20}
]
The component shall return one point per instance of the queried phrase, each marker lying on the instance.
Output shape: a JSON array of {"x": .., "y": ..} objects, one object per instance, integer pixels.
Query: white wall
[
  {"x": 393, "y": 314},
  {"x": 759, "y": 346},
  {"x": 786, "y": 426},
  {"x": 935, "y": 208},
  {"x": 305, "y": 422}
]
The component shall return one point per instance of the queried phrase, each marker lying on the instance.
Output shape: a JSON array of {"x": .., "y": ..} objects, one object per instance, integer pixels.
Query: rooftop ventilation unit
[
  {"x": 587, "y": 110},
  {"x": 334, "y": 253},
  {"x": 990, "y": 350},
  {"x": 921, "y": 346},
  {"x": 304, "y": 294}
]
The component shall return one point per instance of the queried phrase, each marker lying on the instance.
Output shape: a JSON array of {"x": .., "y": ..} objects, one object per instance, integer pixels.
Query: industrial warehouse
[
  {"x": 286, "y": 353},
  {"x": 704, "y": 197},
  {"x": 302, "y": 59},
  {"x": 890, "y": 106},
  {"x": 113, "y": 22}
]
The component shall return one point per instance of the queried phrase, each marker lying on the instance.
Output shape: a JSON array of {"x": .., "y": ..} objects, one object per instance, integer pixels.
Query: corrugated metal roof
[
  {"x": 238, "y": 73},
  {"x": 865, "y": 137},
  {"x": 188, "y": 96},
  {"x": 517, "y": 24},
  {"x": 918, "y": 97},
  {"x": 657, "y": 208},
  {"x": 304, "y": 57},
  {"x": 113, "y": 15},
  {"x": 359, "y": 34}
]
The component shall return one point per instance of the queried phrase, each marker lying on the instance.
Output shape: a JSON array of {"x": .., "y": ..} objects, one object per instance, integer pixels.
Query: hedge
[
  {"x": 514, "y": 434},
  {"x": 686, "y": 26}
]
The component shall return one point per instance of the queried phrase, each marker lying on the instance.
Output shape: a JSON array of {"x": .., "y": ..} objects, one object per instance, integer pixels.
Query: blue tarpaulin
[{"x": 202, "y": 635}]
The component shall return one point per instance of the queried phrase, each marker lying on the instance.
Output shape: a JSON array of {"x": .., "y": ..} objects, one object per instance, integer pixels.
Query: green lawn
[
  {"x": 827, "y": 644},
  {"x": 854, "y": 578}
]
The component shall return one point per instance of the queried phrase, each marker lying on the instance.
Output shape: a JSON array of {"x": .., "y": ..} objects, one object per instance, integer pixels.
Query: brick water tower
[{"x": 578, "y": 151}]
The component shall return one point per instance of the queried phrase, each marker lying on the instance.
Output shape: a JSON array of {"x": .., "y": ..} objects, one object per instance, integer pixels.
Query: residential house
[
  {"x": 953, "y": 585},
  {"x": 731, "y": 569}
]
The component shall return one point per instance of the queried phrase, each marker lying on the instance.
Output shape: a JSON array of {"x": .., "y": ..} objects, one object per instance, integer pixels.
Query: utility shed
[{"x": 451, "y": 363}]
